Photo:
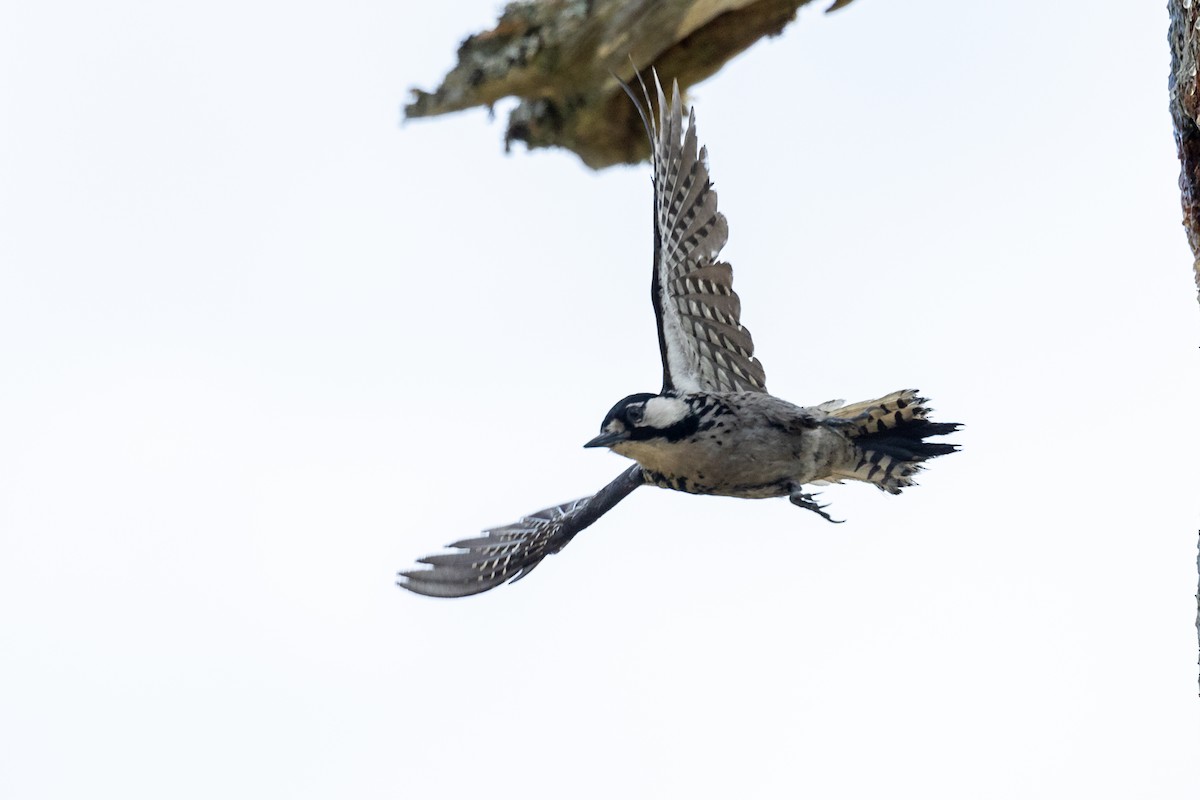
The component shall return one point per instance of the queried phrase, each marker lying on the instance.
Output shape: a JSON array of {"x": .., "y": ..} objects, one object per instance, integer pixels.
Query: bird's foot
[{"x": 809, "y": 501}]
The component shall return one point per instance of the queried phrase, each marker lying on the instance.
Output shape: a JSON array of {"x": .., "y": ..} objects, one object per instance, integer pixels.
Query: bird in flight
[{"x": 713, "y": 428}]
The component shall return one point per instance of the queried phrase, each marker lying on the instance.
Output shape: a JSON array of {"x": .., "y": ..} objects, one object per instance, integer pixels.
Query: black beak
[{"x": 607, "y": 440}]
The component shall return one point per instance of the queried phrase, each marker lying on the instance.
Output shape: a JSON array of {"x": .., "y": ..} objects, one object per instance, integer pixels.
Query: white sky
[{"x": 261, "y": 347}]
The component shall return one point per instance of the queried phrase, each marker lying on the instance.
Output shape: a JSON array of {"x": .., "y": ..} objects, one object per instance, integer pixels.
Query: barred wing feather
[
  {"x": 703, "y": 343},
  {"x": 513, "y": 551}
]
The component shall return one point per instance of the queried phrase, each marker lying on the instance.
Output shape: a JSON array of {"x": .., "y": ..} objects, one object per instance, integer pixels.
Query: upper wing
[
  {"x": 704, "y": 346},
  {"x": 514, "y": 550}
]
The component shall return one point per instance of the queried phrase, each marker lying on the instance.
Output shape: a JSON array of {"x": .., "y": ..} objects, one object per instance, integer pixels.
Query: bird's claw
[{"x": 807, "y": 500}]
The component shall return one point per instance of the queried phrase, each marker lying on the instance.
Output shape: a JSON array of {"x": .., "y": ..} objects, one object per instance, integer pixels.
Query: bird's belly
[{"x": 752, "y": 469}]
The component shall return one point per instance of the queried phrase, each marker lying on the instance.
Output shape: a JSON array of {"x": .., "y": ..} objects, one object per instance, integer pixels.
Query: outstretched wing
[
  {"x": 514, "y": 550},
  {"x": 704, "y": 346}
]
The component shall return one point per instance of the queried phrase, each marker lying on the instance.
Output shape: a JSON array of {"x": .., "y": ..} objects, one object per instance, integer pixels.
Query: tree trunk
[{"x": 1185, "y": 111}]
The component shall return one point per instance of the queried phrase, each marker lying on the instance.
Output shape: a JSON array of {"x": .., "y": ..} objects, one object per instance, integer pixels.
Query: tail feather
[{"x": 889, "y": 439}]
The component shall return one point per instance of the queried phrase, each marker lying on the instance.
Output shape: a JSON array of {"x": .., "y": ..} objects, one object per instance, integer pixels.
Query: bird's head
[{"x": 643, "y": 417}]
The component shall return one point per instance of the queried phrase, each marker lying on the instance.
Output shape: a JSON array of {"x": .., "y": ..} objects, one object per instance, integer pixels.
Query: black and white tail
[{"x": 889, "y": 439}]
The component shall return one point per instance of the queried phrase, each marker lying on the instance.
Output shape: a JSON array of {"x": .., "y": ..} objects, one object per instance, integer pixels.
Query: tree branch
[{"x": 559, "y": 57}]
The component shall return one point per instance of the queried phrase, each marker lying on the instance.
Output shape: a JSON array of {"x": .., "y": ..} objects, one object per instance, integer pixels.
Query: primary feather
[{"x": 703, "y": 343}]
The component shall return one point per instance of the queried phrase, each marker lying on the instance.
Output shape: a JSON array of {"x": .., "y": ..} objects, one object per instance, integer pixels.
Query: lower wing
[{"x": 514, "y": 550}]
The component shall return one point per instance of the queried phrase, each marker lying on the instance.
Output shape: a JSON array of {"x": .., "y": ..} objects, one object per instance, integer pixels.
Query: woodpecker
[{"x": 713, "y": 428}]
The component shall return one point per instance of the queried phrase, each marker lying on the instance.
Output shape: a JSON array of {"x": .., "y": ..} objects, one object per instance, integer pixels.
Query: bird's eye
[{"x": 634, "y": 415}]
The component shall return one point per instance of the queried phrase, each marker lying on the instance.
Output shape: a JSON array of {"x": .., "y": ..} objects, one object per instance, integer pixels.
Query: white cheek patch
[{"x": 663, "y": 412}]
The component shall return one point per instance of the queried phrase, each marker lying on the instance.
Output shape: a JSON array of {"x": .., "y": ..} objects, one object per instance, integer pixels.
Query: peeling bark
[
  {"x": 1185, "y": 111},
  {"x": 560, "y": 57}
]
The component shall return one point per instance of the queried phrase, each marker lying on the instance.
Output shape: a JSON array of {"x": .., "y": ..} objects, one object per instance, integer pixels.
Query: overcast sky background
[{"x": 261, "y": 347}]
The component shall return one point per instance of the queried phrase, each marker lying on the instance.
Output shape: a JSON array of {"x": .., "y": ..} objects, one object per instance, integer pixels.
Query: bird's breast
[{"x": 747, "y": 460}]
